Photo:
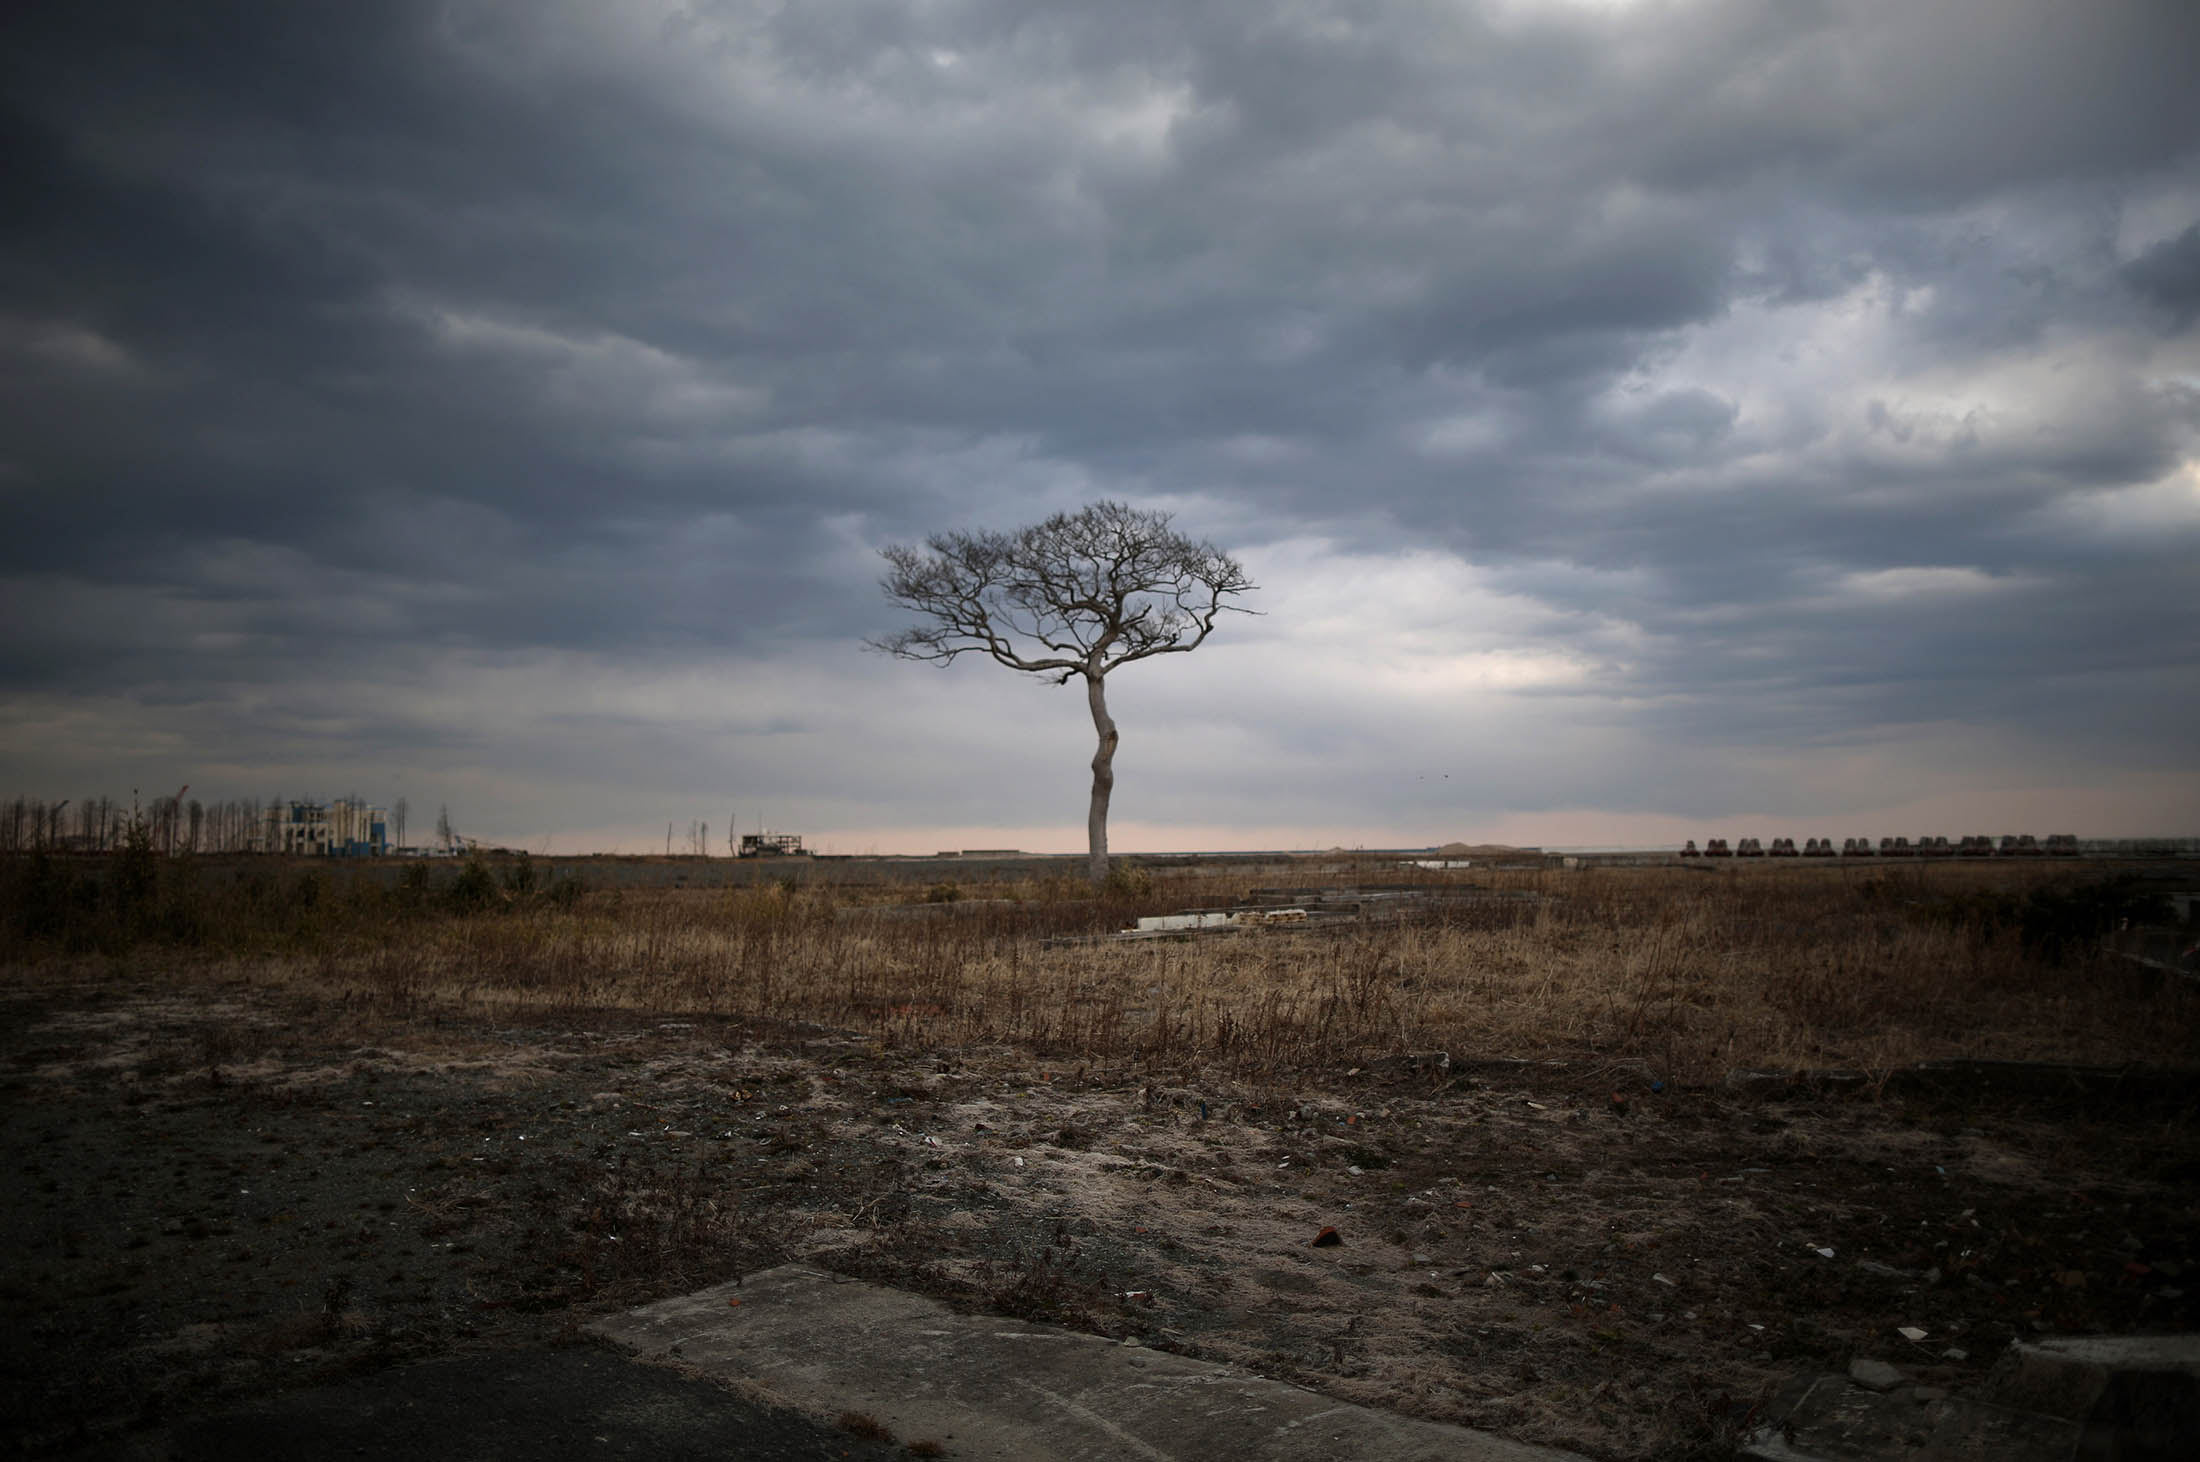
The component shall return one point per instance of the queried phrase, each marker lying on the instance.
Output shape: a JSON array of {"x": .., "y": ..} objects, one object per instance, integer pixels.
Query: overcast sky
[{"x": 1644, "y": 420}]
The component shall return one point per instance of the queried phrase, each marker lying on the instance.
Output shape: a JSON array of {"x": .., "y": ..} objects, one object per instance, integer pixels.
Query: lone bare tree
[{"x": 1077, "y": 595}]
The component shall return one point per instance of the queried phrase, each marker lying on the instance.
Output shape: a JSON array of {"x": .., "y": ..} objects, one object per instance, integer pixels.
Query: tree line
[{"x": 173, "y": 825}]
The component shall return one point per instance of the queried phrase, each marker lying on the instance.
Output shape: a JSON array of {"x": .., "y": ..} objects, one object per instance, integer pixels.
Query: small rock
[{"x": 1874, "y": 1375}]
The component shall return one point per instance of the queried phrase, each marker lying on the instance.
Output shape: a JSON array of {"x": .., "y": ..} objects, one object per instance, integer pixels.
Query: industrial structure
[
  {"x": 345, "y": 828},
  {"x": 771, "y": 845}
]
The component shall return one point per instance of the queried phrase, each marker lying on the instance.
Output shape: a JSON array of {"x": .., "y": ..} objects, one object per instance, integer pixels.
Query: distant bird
[{"x": 1619, "y": 1105}]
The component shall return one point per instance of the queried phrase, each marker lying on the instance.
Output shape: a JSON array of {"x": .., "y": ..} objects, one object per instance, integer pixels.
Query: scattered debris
[
  {"x": 1874, "y": 1375},
  {"x": 1310, "y": 909}
]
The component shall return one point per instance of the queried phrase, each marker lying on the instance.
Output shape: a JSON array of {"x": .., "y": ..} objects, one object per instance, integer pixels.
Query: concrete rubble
[
  {"x": 2131, "y": 1398},
  {"x": 986, "y": 1387},
  {"x": 1312, "y": 908}
]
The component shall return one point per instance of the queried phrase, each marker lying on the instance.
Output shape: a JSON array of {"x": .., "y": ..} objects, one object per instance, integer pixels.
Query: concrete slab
[
  {"x": 2102, "y": 1398},
  {"x": 2136, "y": 1396},
  {"x": 2069, "y": 1375},
  {"x": 991, "y": 1388},
  {"x": 1832, "y": 1419}
]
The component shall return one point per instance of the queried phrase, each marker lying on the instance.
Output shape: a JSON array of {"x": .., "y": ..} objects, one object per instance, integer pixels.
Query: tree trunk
[{"x": 1103, "y": 776}]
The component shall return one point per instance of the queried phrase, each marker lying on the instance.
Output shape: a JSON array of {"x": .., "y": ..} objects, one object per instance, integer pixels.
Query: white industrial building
[{"x": 343, "y": 828}]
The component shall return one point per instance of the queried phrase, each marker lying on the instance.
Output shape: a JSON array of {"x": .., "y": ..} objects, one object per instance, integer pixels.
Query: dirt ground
[{"x": 216, "y": 1192}]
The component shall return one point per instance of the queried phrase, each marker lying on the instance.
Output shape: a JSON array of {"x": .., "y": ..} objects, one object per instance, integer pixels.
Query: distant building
[
  {"x": 771, "y": 845},
  {"x": 343, "y": 828},
  {"x": 357, "y": 830},
  {"x": 296, "y": 827}
]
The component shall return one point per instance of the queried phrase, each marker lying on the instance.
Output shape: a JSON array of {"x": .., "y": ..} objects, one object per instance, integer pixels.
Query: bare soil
[{"x": 219, "y": 1191}]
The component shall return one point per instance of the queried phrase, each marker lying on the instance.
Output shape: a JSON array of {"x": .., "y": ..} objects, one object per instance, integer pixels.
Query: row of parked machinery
[{"x": 2055, "y": 845}]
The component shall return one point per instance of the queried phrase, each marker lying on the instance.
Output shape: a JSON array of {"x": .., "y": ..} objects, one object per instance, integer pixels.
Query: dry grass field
[
  {"x": 1692, "y": 972},
  {"x": 272, "y": 1123}
]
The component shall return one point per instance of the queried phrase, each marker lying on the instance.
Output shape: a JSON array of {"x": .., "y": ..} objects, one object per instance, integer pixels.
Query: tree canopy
[{"x": 1078, "y": 594}]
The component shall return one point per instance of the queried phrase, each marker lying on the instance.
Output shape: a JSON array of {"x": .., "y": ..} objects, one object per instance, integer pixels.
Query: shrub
[
  {"x": 474, "y": 890},
  {"x": 2054, "y": 923},
  {"x": 1127, "y": 880},
  {"x": 39, "y": 894},
  {"x": 136, "y": 878}
]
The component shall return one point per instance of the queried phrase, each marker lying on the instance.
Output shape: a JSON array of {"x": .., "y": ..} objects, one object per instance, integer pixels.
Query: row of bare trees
[
  {"x": 100, "y": 824},
  {"x": 172, "y": 824}
]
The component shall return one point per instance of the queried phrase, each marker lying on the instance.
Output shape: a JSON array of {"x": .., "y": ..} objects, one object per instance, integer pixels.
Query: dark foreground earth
[
  {"x": 219, "y": 1194},
  {"x": 530, "y": 1405}
]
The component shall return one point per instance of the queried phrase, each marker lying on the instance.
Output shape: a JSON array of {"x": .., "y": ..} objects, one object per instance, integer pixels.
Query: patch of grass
[
  {"x": 865, "y": 1426},
  {"x": 1049, "y": 1283}
]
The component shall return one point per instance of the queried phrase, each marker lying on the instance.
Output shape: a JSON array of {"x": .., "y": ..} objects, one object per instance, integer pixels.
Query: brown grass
[
  {"x": 1689, "y": 973},
  {"x": 864, "y": 1425}
]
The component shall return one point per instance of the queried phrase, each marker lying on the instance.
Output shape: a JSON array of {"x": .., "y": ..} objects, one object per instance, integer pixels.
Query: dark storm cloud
[
  {"x": 2168, "y": 276},
  {"x": 1840, "y": 350}
]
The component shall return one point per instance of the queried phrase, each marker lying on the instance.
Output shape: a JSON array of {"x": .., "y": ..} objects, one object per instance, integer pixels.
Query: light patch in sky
[
  {"x": 1140, "y": 121},
  {"x": 1926, "y": 582},
  {"x": 2168, "y": 508},
  {"x": 600, "y": 371},
  {"x": 66, "y": 344},
  {"x": 1472, "y": 434}
]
